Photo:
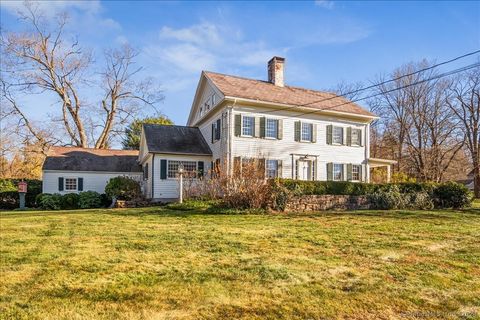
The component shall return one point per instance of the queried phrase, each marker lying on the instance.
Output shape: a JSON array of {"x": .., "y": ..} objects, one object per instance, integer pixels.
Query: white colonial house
[{"x": 298, "y": 133}]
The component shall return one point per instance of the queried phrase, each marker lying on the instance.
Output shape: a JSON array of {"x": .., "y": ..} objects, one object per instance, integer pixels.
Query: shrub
[
  {"x": 420, "y": 201},
  {"x": 39, "y": 197},
  {"x": 452, "y": 195},
  {"x": 388, "y": 199},
  {"x": 69, "y": 201},
  {"x": 123, "y": 188},
  {"x": 105, "y": 201},
  {"x": 89, "y": 199},
  {"x": 279, "y": 195},
  {"x": 7, "y": 185},
  {"x": 51, "y": 201},
  {"x": 9, "y": 200}
]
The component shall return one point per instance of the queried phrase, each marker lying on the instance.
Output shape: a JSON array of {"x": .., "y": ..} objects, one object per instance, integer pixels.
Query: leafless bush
[{"x": 245, "y": 187}]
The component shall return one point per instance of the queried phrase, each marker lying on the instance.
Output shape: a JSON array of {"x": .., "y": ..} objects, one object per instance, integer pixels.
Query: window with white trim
[
  {"x": 356, "y": 137},
  {"x": 248, "y": 124},
  {"x": 307, "y": 131},
  {"x": 356, "y": 171},
  {"x": 337, "y": 171},
  {"x": 338, "y": 135},
  {"x": 189, "y": 167},
  {"x": 70, "y": 184},
  {"x": 271, "y": 168},
  {"x": 214, "y": 99},
  {"x": 271, "y": 128}
]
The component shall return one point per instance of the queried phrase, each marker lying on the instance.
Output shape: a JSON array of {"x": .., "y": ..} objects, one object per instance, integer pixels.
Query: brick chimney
[{"x": 276, "y": 66}]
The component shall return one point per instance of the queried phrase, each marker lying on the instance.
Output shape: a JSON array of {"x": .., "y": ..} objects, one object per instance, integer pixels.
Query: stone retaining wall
[{"x": 326, "y": 202}]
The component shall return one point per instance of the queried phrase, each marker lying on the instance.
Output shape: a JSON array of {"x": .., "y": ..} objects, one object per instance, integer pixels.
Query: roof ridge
[
  {"x": 169, "y": 125},
  {"x": 265, "y": 81}
]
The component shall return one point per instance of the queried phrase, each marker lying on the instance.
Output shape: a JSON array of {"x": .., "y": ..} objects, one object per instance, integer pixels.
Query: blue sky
[{"x": 324, "y": 42}]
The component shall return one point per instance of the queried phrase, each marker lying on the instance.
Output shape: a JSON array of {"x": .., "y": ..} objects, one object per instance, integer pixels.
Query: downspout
[{"x": 230, "y": 136}]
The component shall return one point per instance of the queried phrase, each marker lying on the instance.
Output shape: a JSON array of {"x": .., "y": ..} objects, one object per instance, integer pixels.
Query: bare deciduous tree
[
  {"x": 465, "y": 105},
  {"x": 43, "y": 60}
]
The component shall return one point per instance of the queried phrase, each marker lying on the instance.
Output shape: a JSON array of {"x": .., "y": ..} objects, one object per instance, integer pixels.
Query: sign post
[{"x": 22, "y": 190}]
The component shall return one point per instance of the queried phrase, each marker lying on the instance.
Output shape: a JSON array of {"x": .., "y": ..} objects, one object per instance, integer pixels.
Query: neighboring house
[
  {"x": 297, "y": 133},
  {"x": 68, "y": 170},
  {"x": 469, "y": 181}
]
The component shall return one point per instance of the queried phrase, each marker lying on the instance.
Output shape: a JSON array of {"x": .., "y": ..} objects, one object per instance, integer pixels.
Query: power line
[
  {"x": 335, "y": 96},
  {"x": 448, "y": 73}
]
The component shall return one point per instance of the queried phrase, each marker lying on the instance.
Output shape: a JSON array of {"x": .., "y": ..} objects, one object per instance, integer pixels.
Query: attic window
[{"x": 214, "y": 99}]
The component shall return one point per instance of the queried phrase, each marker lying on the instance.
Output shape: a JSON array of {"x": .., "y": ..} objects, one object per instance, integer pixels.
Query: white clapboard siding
[
  {"x": 284, "y": 148},
  {"x": 92, "y": 181},
  {"x": 218, "y": 147},
  {"x": 169, "y": 188}
]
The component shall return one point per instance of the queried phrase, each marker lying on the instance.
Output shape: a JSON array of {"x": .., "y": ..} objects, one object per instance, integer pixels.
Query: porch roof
[{"x": 377, "y": 162}]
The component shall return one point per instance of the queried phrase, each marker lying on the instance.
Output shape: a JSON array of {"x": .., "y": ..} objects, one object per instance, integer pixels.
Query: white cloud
[
  {"x": 327, "y": 4},
  {"x": 86, "y": 15},
  {"x": 184, "y": 52}
]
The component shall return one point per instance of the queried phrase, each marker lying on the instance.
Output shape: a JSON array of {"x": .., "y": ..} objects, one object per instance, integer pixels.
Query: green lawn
[{"x": 158, "y": 263}]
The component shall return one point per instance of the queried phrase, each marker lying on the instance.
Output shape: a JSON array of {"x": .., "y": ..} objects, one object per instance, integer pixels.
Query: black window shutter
[
  {"x": 200, "y": 167},
  {"x": 213, "y": 132},
  {"x": 217, "y": 133},
  {"x": 80, "y": 184},
  {"x": 60, "y": 183},
  {"x": 163, "y": 169}
]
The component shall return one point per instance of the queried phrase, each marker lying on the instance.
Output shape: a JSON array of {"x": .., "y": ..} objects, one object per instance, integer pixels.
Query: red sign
[{"x": 22, "y": 187}]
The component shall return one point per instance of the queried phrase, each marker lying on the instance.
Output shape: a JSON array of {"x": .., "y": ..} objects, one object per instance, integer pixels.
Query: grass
[{"x": 163, "y": 263}]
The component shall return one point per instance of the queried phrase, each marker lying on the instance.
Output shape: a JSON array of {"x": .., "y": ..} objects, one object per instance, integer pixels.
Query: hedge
[
  {"x": 10, "y": 199},
  {"x": 412, "y": 195}
]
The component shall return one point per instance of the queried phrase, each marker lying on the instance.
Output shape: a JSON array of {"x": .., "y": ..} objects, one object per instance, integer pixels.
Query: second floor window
[
  {"x": 271, "y": 128},
  {"x": 307, "y": 131},
  {"x": 356, "y": 137},
  {"x": 338, "y": 135},
  {"x": 248, "y": 126}
]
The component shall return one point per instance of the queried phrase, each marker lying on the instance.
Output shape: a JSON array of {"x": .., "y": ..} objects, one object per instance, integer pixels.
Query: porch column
[{"x": 388, "y": 173}]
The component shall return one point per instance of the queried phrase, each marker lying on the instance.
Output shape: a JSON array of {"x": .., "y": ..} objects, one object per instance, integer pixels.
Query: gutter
[{"x": 371, "y": 118}]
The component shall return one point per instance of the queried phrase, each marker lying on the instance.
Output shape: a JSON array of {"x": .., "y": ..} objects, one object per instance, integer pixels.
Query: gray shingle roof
[
  {"x": 175, "y": 139},
  {"x": 84, "y": 159}
]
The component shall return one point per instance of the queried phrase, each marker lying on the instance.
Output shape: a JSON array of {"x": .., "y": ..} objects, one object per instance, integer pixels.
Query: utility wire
[
  {"x": 445, "y": 74},
  {"x": 335, "y": 96}
]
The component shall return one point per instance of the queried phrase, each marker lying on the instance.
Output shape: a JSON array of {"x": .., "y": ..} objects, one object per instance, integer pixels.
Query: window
[
  {"x": 216, "y": 127},
  {"x": 248, "y": 126},
  {"x": 145, "y": 172},
  {"x": 70, "y": 184},
  {"x": 337, "y": 172},
  {"x": 272, "y": 168},
  {"x": 214, "y": 99},
  {"x": 356, "y": 170},
  {"x": 306, "y": 132},
  {"x": 189, "y": 167},
  {"x": 338, "y": 135},
  {"x": 271, "y": 128},
  {"x": 356, "y": 137}
]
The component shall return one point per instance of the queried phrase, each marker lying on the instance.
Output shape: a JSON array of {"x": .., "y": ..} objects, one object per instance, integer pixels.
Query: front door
[{"x": 304, "y": 169}]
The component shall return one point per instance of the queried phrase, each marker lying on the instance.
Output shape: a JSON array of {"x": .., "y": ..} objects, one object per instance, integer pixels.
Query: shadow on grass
[{"x": 177, "y": 211}]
